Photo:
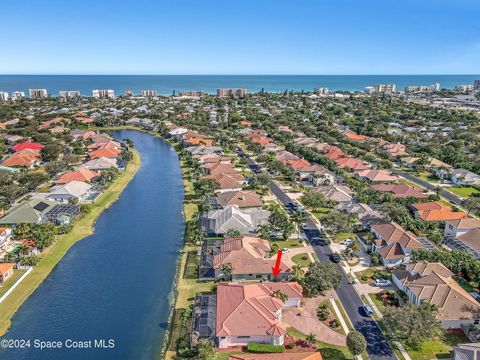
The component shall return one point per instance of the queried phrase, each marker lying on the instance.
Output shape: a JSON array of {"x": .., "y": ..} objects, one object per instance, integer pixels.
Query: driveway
[{"x": 305, "y": 319}]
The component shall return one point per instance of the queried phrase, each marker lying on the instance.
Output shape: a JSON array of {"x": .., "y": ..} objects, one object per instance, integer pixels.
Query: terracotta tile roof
[
  {"x": 81, "y": 174},
  {"x": 107, "y": 152},
  {"x": 228, "y": 181},
  {"x": 261, "y": 140},
  {"x": 351, "y": 135},
  {"x": 4, "y": 267},
  {"x": 242, "y": 198},
  {"x": 400, "y": 190},
  {"x": 219, "y": 168},
  {"x": 376, "y": 175},
  {"x": 248, "y": 310},
  {"x": 20, "y": 159},
  {"x": 27, "y": 145},
  {"x": 248, "y": 255},
  {"x": 441, "y": 215},
  {"x": 351, "y": 163},
  {"x": 297, "y": 164},
  {"x": 199, "y": 141}
]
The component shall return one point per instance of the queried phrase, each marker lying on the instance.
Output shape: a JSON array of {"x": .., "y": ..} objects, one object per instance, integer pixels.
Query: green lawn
[
  {"x": 364, "y": 275},
  {"x": 290, "y": 243},
  {"x": 436, "y": 349},
  {"x": 344, "y": 236},
  {"x": 300, "y": 261},
  {"x": 426, "y": 176},
  {"x": 463, "y": 192},
  {"x": 17, "y": 274},
  {"x": 82, "y": 228}
]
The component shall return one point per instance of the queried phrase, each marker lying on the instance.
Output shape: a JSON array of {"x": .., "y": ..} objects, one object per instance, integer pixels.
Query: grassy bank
[{"x": 51, "y": 256}]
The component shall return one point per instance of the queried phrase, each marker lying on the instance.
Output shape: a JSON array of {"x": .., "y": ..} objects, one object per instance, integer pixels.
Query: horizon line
[{"x": 65, "y": 74}]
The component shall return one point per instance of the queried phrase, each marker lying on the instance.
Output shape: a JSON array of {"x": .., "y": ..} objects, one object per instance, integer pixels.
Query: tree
[
  {"x": 226, "y": 270},
  {"x": 311, "y": 339},
  {"x": 353, "y": 249},
  {"x": 297, "y": 272},
  {"x": 264, "y": 231},
  {"x": 232, "y": 233},
  {"x": 205, "y": 186},
  {"x": 413, "y": 323},
  {"x": 472, "y": 204},
  {"x": 321, "y": 277},
  {"x": 298, "y": 218},
  {"x": 51, "y": 151},
  {"x": 337, "y": 222},
  {"x": 356, "y": 343},
  {"x": 206, "y": 350},
  {"x": 314, "y": 200},
  {"x": 22, "y": 231}
]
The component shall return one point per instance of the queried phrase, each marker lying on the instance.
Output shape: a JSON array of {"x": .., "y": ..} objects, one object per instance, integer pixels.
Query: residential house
[
  {"x": 228, "y": 182},
  {"x": 395, "y": 150},
  {"x": 6, "y": 270},
  {"x": 32, "y": 212},
  {"x": 81, "y": 174},
  {"x": 204, "y": 150},
  {"x": 462, "y": 177},
  {"x": 466, "y": 352},
  {"x": 456, "y": 228},
  {"x": 246, "y": 221},
  {"x": 376, "y": 176},
  {"x": 434, "y": 283},
  {"x": 77, "y": 191},
  {"x": 284, "y": 155},
  {"x": 394, "y": 243},
  {"x": 337, "y": 193},
  {"x": 365, "y": 214},
  {"x": 249, "y": 258},
  {"x": 435, "y": 211},
  {"x": 27, "y": 145},
  {"x": 5, "y": 236},
  {"x": 247, "y": 313},
  {"x": 100, "y": 164},
  {"x": 24, "y": 159},
  {"x": 400, "y": 190},
  {"x": 351, "y": 163},
  {"x": 241, "y": 198},
  {"x": 320, "y": 176}
]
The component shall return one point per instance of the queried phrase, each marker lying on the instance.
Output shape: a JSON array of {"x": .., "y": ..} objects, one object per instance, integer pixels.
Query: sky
[{"x": 240, "y": 37}]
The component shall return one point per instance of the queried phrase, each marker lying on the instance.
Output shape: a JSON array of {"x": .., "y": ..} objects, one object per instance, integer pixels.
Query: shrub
[
  {"x": 265, "y": 348},
  {"x": 323, "y": 313},
  {"x": 290, "y": 345}
]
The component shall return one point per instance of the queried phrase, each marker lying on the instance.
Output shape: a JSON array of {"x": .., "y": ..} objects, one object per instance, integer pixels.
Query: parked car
[
  {"x": 346, "y": 242},
  {"x": 285, "y": 250},
  {"x": 367, "y": 310},
  {"x": 383, "y": 282},
  {"x": 335, "y": 258}
]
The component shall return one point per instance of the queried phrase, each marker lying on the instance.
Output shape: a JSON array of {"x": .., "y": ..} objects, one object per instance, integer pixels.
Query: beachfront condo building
[
  {"x": 3, "y": 96},
  {"x": 69, "y": 93},
  {"x": 18, "y": 95},
  {"x": 149, "y": 93},
  {"x": 37, "y": 93},
  {"x": 103, "y": 94},
  {"x": 232, "y": 92}
]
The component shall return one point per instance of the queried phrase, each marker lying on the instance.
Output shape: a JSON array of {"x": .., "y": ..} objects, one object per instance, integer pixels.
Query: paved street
[{"x": 377, "y": 346}]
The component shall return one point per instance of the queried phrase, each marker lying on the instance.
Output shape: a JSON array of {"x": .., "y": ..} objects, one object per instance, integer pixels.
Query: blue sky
[{"x": 240, "y": 37}]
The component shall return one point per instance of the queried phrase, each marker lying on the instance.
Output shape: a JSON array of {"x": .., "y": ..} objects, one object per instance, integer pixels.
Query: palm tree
[
  {"x": 298, "y": 218},
  {"x": 297, "y": 272},
  {"x": 311, "y": 339},
  {"x": 264, "y": 231},
  {"x": 353, "y": 249}
]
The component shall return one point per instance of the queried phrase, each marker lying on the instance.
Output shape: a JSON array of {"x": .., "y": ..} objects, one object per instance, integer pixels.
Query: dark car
[{"x": 335, "y": 258}]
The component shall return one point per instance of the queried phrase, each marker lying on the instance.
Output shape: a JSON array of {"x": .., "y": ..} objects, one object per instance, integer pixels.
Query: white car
[
  {"x": 346, "y": 242},
  {"x": 285, "y": 250},
  {"x": 383, "y": 282}
]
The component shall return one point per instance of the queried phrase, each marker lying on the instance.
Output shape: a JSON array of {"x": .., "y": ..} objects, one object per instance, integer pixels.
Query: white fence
[{"x": 9, "y": 291}]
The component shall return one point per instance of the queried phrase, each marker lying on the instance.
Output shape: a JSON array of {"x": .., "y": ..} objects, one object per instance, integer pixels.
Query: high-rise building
[
  {"x": 37, "y": 93},
  {"x": 103, "y": 94},
  {"x": 128, "y": 93},
  {"x": 18, "y": 95},
  {"x": 321, "y": 91},
  {"x": 3, "y": 96},
  {"x": 235, "y": 92},
  {"x": 69, "y": 93},
  {"x": 149, "y": 93},
  {"x": 476, "y": 85}
]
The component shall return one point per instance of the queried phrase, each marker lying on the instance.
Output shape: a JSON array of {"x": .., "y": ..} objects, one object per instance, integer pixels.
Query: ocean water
[{"x": 166, "y": 84}]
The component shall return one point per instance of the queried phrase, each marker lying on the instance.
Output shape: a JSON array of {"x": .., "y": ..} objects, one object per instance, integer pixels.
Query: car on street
[
  {"x": 285, "y": 250},
  {"x": 335, "y": 258},
  {"x": 367, "y": 310},
  {"x": 383, "y": 282}
]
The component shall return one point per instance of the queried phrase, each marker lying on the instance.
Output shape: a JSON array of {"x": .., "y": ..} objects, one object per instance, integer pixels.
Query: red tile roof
[
  {"x": 82, "y": 174},
  {"x": 27, "y": 145}
]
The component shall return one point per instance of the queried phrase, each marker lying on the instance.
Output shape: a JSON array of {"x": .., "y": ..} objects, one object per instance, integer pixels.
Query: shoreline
[{"x": 52, "y": 255}]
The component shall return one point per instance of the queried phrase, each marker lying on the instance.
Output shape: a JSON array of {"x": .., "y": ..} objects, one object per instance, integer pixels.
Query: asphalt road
[
  {"x": 377, "y": 346},
  {"x": 447, "y": 195}
]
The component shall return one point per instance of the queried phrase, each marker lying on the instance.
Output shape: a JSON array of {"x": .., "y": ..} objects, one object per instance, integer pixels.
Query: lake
[{"x": 117, "y": 283}]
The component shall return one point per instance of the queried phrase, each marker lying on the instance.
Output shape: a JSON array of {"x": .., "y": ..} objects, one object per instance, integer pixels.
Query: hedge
[{"x": 265, "y": 348}]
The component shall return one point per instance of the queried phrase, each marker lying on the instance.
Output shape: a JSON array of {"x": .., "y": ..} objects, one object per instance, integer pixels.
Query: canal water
[{"x": 115, "y": 285}]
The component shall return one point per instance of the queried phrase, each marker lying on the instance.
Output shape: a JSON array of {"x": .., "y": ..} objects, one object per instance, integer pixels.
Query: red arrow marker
[{"x": 276, "y": 270}]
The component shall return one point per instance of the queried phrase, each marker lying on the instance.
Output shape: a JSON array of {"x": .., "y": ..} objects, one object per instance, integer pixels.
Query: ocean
[{"x": 166, "y": 84}]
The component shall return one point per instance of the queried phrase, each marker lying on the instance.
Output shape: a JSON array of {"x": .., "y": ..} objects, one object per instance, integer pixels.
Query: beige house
[{"x": 434, "y": 283}]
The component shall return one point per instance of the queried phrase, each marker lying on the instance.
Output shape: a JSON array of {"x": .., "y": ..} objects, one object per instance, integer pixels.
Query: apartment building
[
  {"x": 3, "y": 96},
  {"x": 103, "y": 94},
  {"x": 37, "y": 93},
  {"x": 69, "y": 93},
  {"x": 18, "y": 95},
  {"x": 235, "y": 92},
  {"x": 148, "y": 93}
]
